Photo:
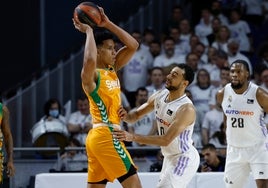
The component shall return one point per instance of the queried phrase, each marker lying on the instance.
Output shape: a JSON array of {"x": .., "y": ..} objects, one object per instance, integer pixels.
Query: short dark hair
[
  {"x": 156, "y": 41},
  {"x": 102, "y": 35},
  {"x": 225, "y": 68},
  {"x": 166, "y": 38},
  {"x": 141, "y": 89},
  {"x": 148, "y": 30},
  {"x": 189, "y": 73},
  {"x": 82, "y": 97},
  {"x": 240, "y": 61},
  {"x": 209, "y": 146},
  {"x": 189, "y": 54}
]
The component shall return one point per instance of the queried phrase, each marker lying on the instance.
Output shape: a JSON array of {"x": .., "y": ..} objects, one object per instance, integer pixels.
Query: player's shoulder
[
  {"x": 221, "y": 91},
  {"x": 261, "y": 93},
  {"x": 187, "y": 108}
]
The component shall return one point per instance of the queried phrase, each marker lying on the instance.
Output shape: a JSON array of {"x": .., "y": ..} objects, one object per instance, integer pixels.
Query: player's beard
[
  {"x": 237, "y": 86},
  {"x": 172, "y": 88}
]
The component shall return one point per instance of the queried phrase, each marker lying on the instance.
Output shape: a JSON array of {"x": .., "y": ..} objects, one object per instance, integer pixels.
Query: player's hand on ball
[
  {"x": 104, "y": 18},
  {"x": 80, "y": 26}
]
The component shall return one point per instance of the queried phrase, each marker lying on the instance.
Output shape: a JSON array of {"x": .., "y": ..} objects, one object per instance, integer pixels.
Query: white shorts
[
  {"x": 177, "y": 171},
  {"x": 241, "y": 161}
]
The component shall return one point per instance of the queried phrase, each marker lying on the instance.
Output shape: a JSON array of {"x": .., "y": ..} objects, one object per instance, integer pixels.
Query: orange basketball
[{"x": 88, "y": 13}]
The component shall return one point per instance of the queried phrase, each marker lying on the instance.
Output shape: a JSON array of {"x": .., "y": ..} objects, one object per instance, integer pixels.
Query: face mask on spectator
[{"x": 54, "y": 113}]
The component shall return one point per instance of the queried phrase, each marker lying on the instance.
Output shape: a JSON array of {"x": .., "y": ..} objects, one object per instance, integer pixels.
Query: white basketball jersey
[
  {"x": 245, "y": 117},
  {"x": 165, "y": 113}
]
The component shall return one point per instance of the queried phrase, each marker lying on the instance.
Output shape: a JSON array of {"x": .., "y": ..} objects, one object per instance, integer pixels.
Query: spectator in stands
[
  {"x": 222, "y": 38},
  {"x": 211, "y": 53},
  {"x": 6, "y": 143},
  {"x": 215, "y": 25},
  {"x": 157, "y": 166},
  {"x": 218, "y": 139},
  {"x": 156, "y": 80},
  {"x": 51, "y": 130},
  {"x": 52, "y": 114},
  {"x": 212, "y": 161},
  {"x": 180, "y": 45},
  {"x": 192, "y": 59},
  {"x": 136, "y": 72},
  {"x": 186, "y": 30},
  {"x": 234, "y": 53},
  {"x": 201, "y": 91},
  {"x": 175, "y": 18},
  {"x": 148, "y": 37},
  {"x": 194, "y": 40},
  {"x": 52, "y": 110},
  {"x": 204, "y": 28},
  {"x": 147, "y": 124},
  {"x": 200, "y": 49},
  {"x": 220, "y": 61},
  {"x": 217, "y": 12},
  {"x": 155, "y": 48},
  {"x": 168, "y": 56},
  {"x": 252, "y": 13},
  {"x": 71, "y": 160},
  {"x": 79, "y": 122},
  {"x": 197, "y": 133},
  {"x": 240, "y": 30},
  {"x": 211, "y": 123},
  {"x": 224, "y": 79}
]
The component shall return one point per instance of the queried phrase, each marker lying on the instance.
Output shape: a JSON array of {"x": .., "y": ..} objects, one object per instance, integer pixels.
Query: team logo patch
[
  {"x": 169, "y": 112},
  {"x": 250, "y": 101}
]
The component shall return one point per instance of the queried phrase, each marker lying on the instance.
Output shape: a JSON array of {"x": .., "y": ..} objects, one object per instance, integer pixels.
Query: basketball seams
[
  {"x": 93, "y": 12},
  {"x": 88, "y": 13}
]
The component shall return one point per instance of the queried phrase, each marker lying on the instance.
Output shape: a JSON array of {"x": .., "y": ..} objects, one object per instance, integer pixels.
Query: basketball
[{"x": 88, "y": 13}]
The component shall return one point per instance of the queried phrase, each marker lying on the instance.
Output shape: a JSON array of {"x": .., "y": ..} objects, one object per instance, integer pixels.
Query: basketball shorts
[
  {"x": 108, "y": 158},
  {"x": 240, "y": 162},
  {"x": 178, "y": 170}
]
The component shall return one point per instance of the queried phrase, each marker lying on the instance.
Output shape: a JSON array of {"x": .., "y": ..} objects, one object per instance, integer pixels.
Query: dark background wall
[{"x": 21, "y": 36}]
